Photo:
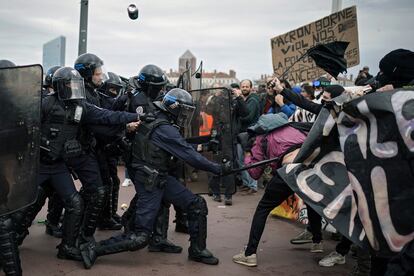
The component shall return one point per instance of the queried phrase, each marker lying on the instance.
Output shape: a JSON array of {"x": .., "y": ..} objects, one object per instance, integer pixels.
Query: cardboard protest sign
[{"x": 289, "y": 47}]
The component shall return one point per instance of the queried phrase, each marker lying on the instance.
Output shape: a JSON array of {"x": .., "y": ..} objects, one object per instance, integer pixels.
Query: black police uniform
[
  {"x": 108, "y": 149},
  {"x": 107, "y": 153},
  {"x": 55, "y": 205},
  {"x": 154, "y": 145},
  {"x": 9, "y": 252},
  {"x": 59, "y": 136},
  {"x": 138, "y": 100}
]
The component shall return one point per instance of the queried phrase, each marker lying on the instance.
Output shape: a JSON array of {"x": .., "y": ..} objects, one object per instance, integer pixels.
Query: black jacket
[{"x": 301, "y": 101}]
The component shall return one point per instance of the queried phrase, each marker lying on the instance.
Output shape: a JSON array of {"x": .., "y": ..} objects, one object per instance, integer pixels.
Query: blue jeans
[{"x": 246, "y": 178}]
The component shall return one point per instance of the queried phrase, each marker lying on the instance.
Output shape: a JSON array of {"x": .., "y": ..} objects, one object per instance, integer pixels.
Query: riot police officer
[
  {"x": 148, "y": 86},
  {"x": 63, "y": 113},
  {"x": 108, "y": 151},
  {"x": 156, "y": 141},
  {"x": 55, "y": 204},
  {"x": 47, "y": 83},
  {"x": 9, "y": 253},
  {"x": 86, "y": 166}
]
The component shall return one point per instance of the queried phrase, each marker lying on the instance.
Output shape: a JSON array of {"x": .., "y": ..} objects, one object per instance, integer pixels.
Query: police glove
[
  {"x": 226, "y": 167},
  {"x": 213, "y": 145}
]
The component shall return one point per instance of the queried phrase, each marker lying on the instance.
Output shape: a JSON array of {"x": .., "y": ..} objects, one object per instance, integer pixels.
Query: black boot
[
  {"x": 109, "y": 224},
  {"x": 125, "y": 242},
  {"x": 117, "y": 218},
  {"x": 115, "y": 199},
  {"x": 9, "y": 251},
  {"x": 95, "y": 201},
  {"x": 181, "y": 222},
  {"x": 363, "y": 265},
  {"x": 197, "y": 222},
  {"x": 71, "y": 224},
  {"x": 53, "y": 230},
  {"x": 159, "y": 241},
  {"x": 23, "y": 219},
  {"x": 54, "y": 212},
  {"x": 128, "y": 218}
]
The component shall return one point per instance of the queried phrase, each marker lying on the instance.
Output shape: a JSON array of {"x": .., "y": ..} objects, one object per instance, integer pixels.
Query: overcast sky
[{"x": 225, "y": 34}]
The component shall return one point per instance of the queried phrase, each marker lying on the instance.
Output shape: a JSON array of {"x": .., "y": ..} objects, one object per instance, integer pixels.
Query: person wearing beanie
[
  {"x": 332, "y": 91},
  {"x": 396, "y": 68}
]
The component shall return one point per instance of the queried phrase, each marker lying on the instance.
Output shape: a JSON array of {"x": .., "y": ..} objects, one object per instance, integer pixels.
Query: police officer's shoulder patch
[{"x": 140, "y": 110}]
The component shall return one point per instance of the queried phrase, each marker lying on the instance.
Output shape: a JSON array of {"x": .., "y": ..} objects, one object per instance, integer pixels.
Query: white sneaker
[
  {"x": 245, "y": 260},
  {"x": 316, "y": 248},
  {"x": 332, "y": 259},
  {"x": 127, "y": 182}
]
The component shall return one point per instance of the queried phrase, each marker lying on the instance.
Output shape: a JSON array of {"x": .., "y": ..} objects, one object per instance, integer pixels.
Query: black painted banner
[{"x": 356, "y": 169}]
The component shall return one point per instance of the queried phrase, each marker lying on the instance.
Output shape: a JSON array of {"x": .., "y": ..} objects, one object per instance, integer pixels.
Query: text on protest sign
[{"x": 289, "y": 47}]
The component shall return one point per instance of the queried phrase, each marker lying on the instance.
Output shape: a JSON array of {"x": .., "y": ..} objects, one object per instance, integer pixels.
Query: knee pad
[
  {"x": 74, "y": 203},
  {"x": 94, "y": 194},
  {"x": 197, "y": 207},
  {"x": 101, "y": 191},
  {"x": 6, "y": 224}
]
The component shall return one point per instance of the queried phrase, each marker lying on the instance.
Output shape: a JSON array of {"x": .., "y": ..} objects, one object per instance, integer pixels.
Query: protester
[
  {"x": 253, "y": 107},
  {"x": 277, "y": 139},
  {"x": 363, "y": 76},
  {"x": 216, "y": 106},
  {"x": 302, "y": 115}
]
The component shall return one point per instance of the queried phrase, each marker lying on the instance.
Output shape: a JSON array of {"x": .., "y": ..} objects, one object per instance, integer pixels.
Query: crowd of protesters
[{"x": 287, "y": 116}]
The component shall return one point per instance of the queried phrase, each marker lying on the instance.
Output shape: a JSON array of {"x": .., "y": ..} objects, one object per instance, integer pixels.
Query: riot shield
[
  {"x": 20, "y": 91},
  {"x": 212, "y": 130}
]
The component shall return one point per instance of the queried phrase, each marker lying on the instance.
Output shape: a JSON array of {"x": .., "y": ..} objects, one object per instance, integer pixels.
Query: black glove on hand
[
  {"x": 226, "y": 167},
  {"x": 213, "y": 146}
]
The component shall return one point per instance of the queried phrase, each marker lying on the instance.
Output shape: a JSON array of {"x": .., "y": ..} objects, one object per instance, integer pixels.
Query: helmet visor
[
  {"x": 185, "y": 115},
  {"x": 99, "y": 76},
  {"x": 71, "y": 90}
]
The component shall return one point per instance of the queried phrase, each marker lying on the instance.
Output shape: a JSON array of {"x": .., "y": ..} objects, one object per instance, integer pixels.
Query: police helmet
[
  {"x": 112, "y": 84},
  {"x": 4, "y": 63},
  {"x": 68, "y": 84},
  {"x": 86, "y": 64},
  {"x": 49, "y": 75},
  {"x": 151, "y": 79},
  {"x": 179, "y": 104}
]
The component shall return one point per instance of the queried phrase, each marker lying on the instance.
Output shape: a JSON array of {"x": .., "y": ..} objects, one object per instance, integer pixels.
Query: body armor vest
[
  {"x": 59, "y": 131},
  {"x": 146, "y": 153}
]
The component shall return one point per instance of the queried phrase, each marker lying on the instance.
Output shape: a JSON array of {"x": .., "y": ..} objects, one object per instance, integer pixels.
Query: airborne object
[{"x": 132, "y": 11}]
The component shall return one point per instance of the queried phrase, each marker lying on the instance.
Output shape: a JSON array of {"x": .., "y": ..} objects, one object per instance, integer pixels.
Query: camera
[{"x": 270, "y": 84}]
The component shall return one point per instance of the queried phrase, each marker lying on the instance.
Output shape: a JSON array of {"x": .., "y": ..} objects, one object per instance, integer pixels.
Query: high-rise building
[{"x": 54, "y": 53}]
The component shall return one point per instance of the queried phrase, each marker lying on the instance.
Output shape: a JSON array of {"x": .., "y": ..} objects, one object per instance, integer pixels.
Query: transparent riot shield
[
  {"x": 20, "y": 97},
  {"x": 211, "y": 131}
]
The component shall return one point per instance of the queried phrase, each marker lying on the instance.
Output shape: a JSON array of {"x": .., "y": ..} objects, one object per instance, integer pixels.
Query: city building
[
  {"x": 54, "y": 53},
  {"x": 188, "y": 60}
]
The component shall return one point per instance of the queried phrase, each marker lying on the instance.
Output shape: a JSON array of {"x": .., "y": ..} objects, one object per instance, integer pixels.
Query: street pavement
[{"x": 228, "y": 229}]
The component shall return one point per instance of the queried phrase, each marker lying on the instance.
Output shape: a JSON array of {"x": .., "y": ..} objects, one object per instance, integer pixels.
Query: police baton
[{"x": 254, "y": 165}]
